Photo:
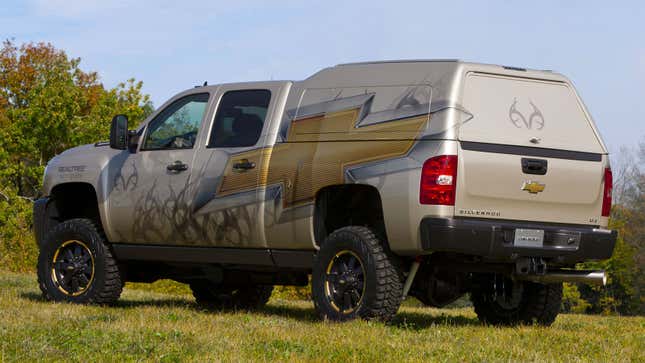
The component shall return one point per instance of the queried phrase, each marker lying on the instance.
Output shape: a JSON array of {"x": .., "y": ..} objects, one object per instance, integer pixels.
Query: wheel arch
[
  {"x": 68, "y": 201},
  {"x": 343, "y": 205}
]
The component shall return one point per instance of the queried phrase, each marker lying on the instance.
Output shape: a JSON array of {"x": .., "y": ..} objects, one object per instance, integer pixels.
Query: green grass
[{"x": 151, "y": 326}]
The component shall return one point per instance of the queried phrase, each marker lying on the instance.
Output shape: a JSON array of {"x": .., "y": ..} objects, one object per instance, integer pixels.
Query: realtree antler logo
[{"x": 534, "y": 121}]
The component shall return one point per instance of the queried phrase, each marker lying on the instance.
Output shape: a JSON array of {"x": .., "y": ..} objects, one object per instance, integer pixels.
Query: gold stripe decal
[{"x": 317, "y": 152}]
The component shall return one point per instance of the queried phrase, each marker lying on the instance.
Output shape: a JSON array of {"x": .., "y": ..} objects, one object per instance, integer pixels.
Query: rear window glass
[{"x": 513, "y": 111}]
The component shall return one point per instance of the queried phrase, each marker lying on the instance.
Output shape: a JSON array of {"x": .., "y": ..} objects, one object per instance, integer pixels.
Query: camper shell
[{"x": 452, "y": 166}]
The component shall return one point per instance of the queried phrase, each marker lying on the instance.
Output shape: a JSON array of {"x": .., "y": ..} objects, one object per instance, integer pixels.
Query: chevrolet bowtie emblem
[{"x": 533, "y": 187}]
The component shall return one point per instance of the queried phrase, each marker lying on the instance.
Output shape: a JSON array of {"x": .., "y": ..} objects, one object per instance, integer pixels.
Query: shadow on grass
[
  {"x": 420, "y": 321},
  {"x": 404, "y": 319},
  {"x": 32, "y": 296},
  {"x": 305, "y": 314},
  {"x": 125, "y": 303}
]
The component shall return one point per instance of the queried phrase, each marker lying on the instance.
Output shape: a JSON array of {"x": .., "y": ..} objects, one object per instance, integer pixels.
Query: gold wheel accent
[
  {"x": 344, "y": 281},
  {"x": 73, "y": 268}
]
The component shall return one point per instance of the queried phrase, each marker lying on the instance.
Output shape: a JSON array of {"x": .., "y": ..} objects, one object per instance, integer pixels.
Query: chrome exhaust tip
[{"x": 588, "y": 277}]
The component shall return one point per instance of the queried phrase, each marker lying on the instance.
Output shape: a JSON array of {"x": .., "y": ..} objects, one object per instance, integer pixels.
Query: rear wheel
[
  {"x": 215, "y": 296},
  {"x": 76, "y": 265},
  {"x": 499, "y": 300},
  {"x": 355, "y": 277}
]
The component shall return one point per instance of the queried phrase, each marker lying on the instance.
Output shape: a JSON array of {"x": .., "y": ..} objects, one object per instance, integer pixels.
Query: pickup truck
[{"x": 377, "y": 180}]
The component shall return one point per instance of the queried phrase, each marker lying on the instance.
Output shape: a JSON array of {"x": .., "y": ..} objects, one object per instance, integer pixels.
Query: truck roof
[
  {"x": 440, "y": 60},
  {"x": 438, "y": 72},
  {"x": 398, "y": 68},
  {"x": 399, "y": 61}
]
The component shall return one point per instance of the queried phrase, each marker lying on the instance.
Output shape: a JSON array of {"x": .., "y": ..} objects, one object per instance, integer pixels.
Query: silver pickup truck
[{"x": 429, "y": 178}]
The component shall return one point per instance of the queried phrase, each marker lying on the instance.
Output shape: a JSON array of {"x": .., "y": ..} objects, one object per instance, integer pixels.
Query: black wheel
[
  {"x": 355, "y": 277},
  {"x": 214, "y": 296},
  {"x": 499, "y": 300},
  {"x": 76, "y": 265}
]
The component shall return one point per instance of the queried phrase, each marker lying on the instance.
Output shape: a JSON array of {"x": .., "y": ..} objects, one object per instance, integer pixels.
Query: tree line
[{"x": 49, "y": 104}]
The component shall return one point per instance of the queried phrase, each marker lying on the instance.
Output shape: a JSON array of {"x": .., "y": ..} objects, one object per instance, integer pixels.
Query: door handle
[
  {"x": 177, "y": 166},
  {"x": 243, "y": 165},
  {"x": 534, "y": 166}
]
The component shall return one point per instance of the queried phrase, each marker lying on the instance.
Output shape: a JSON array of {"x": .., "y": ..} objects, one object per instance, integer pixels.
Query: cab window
[
  {"x": 176, "y": 126},
  {"x": 240, "y": 118}
]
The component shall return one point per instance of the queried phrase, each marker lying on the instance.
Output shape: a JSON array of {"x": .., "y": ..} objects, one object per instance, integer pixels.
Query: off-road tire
[
  {"x": 212, "y": 296},
  {"x": 106, "y": 285},
  {"x": 383, "y": 289},
  {"x": 539, "y": 304}
]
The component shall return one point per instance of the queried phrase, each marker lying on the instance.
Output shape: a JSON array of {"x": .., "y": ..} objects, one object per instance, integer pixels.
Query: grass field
[{"x": 150, "y": 326}]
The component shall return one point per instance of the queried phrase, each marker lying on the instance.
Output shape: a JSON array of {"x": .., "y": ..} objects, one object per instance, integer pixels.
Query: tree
[
  {"x": 626, "y": 268},
  {"x": 47, "y": 104}
]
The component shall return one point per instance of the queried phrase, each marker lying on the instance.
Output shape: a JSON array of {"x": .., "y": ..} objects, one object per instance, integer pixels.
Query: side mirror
[{"x": 119, "y": 132}]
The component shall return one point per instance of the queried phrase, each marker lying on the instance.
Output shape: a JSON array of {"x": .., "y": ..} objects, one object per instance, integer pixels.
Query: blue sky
[{"x": 173, "y": 45}]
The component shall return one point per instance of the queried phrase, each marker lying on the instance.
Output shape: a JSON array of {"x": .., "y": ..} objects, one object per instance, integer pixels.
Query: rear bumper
[{"x": 494, "y": 240}]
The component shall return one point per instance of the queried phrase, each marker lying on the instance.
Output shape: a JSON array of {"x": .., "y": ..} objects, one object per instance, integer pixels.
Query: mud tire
[
  {"x": 106, "y": 283},
  {"x": 383, "y": 288}
]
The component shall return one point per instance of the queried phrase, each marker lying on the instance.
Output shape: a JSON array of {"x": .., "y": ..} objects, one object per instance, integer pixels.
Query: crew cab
[{"x": 430, "y": 178}]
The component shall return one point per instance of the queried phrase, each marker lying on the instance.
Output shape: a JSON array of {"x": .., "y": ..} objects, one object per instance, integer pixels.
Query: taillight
[
  {"x": 606, "y": 194},
  {"x": 439, "y": 180}
]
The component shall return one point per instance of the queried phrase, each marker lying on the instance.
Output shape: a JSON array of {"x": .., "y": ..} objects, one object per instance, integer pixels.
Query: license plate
[{"x": 529, "y": 237}]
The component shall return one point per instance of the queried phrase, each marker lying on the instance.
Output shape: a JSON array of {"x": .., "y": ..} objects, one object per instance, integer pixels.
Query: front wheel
[
  {"x": 499, "y": 300},
  {"x": 355, "y": 277},
  {"x": 76, "y": 265}
]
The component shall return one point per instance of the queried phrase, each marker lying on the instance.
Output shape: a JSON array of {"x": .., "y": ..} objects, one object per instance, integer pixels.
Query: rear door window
[{"x": 240, "y": 118}]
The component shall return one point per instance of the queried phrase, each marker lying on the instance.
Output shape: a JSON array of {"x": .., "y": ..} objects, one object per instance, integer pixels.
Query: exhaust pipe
[{"x": 581, "y": 276}]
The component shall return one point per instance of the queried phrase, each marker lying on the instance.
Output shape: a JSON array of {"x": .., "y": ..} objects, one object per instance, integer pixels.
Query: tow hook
[{"x": 530, "y": 265}]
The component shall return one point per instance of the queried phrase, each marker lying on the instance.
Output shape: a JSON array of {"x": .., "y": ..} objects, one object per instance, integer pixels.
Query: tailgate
[{"x": 529, "y": 153}]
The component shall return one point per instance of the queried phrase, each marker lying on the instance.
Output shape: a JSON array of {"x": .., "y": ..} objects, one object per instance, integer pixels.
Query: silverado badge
[{"x": 533, "y": 187}]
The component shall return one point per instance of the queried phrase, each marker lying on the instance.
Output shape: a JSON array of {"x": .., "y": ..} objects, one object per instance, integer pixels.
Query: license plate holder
[{"x": 529, "y": 237}]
